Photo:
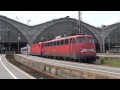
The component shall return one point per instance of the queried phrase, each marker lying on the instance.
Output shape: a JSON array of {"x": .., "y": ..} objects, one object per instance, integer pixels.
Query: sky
[{"x": 94, "y": 18}]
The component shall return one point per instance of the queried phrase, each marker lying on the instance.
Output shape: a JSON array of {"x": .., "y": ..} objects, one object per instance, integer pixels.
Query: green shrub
[
  {"x": 102, "y": 60},
  {"x": 109, "y": 59}
]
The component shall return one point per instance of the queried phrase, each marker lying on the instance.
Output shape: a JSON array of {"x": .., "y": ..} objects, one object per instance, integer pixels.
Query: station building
[{"x": 14, "y": 35}]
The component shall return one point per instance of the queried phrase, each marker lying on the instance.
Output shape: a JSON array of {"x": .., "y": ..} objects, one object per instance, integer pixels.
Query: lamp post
[
  {"x": 9, "y": 39},
  {"x": 2, "y": 41},
  {"x": 18, "y": 43},
  {"x": 1, "y": 49},
  {"x": 27, "y": 37},
  {"x": 109, "y": 44},
  {"x": 1, "y": 45},
  {"x": 103, "y": 45}
]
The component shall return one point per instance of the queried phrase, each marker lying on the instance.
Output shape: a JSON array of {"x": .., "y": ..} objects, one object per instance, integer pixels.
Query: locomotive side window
[
  {"x": 48, "y": 44},
  {"x": 62, "y": 42},
  {"x": 80, "y": 40},
  {"x": 66, "y": 41},
  {"x": 25, "y": 49},
  {"x": 91, "y": 40},
  {"x": 51, "y": 43},
  {"x": 57, "y": 42}
]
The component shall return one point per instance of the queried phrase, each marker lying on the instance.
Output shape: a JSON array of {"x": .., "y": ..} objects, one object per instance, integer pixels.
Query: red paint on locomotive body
[{"x": 76, "y": 47}]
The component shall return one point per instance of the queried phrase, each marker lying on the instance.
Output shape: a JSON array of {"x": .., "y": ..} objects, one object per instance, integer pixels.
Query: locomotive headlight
[
  {"x": 84, "y": 50},
  {"x": 92, "y": 50}
]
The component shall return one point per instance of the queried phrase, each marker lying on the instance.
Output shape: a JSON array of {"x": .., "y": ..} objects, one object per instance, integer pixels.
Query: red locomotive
[
  {"x": 36, "y": 49},
  {"x": 78, "y": 47}
]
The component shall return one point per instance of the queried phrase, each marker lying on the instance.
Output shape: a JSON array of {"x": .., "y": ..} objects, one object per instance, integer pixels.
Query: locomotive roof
[
  {"x": 40, "y": 42},
  {"x": 37, "y": 43},
  {"x": 62, "y": 38}
]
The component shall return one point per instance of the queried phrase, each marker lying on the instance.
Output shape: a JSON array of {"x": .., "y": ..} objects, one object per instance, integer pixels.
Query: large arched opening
[
  {"x": 10, "y": 38},
  {"x": 64, "y": 28},
  {"x": 112, "y": 41}
]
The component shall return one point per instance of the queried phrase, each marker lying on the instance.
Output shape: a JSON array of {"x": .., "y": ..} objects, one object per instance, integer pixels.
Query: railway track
[{"x": 31, "y": 71}]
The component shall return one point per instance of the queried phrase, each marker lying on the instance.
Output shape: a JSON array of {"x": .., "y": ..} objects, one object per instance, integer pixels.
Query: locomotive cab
[{"x": 85, "y": 48}]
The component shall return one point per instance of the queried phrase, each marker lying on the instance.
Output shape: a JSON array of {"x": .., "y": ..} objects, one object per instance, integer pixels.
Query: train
[
  {"x": 80, "y": 48},
  {"x": 25, "y": 50}
]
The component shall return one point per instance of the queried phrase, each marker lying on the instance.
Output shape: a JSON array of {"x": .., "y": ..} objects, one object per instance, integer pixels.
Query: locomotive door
[
  {"x": 43, "y": 44},
  {"x": 71, "y": 46}
]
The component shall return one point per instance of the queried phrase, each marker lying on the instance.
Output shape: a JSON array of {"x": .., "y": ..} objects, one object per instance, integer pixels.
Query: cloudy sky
[{"x": 95, "y": 18}]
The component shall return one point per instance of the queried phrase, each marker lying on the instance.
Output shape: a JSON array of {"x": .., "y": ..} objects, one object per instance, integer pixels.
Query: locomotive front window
[
  {"x": 91, "y": 40},
  {"x": 80, "y": 40}
]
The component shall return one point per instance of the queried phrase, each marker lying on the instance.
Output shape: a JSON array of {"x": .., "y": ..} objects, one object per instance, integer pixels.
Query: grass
[{"x": 109, "y": 62}]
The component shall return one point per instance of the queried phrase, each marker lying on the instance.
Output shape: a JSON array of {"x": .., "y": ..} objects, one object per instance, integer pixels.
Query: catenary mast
[{"x": 79, "y": 21}]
